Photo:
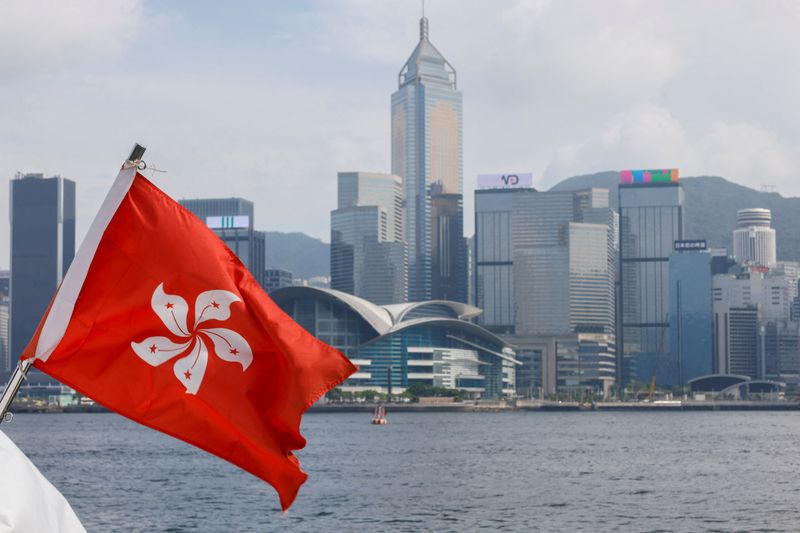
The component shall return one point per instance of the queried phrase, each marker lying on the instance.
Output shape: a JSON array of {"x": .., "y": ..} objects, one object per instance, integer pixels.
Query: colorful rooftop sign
[{"x": 649, "y": 176}]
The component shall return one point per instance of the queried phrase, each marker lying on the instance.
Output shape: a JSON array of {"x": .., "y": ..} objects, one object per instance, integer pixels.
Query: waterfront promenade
[{"x": 490, "y": 406}]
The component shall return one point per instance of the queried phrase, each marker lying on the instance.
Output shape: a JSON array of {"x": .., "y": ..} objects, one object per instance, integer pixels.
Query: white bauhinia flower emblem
[{"x": 173, "y": 311}]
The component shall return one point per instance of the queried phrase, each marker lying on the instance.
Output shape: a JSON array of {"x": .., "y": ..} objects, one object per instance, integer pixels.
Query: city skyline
[{"x": 548, "y": 92}]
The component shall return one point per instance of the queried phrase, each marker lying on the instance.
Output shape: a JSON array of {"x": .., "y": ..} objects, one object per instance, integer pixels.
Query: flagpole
[
  {"x": 13, "y": 386},
  {"x": 21, "y": 371}
]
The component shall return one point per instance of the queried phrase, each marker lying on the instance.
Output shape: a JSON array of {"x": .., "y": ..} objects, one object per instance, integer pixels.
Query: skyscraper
[
  {"x": 232, "y": 221},
  {"x": 368, "y": 253},
  {"x": 545, "y": 264},
  {"x": 650, "y": 221},
  {"x": 42, "y": 248},
  {"x": 493, "y": 270},
  {"x": 563, "y": 277},
  {"x": 753, "y": 238},
  {"x": 374, "y": 188},
  {"x": 691, "y": 318},
  {"x": 426, "y": 153}
]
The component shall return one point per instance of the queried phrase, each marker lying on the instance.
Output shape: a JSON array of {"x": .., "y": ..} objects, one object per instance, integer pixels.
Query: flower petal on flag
[
  {"x": 172, "y": 310},
  {"x": 213, "y": 305},
  {"x": 230, "y": 346},
  {"x": 190, "y": 369},
  {"x": 157, "y": 350}
]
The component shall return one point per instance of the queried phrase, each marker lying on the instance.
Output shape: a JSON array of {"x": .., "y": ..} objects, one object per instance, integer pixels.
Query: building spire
[{"x": 423, "y": 25}]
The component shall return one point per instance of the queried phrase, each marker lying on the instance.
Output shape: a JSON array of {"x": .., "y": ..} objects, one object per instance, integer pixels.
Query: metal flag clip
[{"x": 135, "y": 159}]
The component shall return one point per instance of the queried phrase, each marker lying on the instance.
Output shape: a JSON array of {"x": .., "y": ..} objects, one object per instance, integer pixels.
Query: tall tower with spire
[{"x": 426, "y": 153}]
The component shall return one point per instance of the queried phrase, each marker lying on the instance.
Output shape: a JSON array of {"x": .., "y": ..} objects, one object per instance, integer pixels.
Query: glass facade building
[
  {"x": 373, "y": 188},
  {"x": 563, "y": 272},
  {"x": 742, "y": 341},
  {"x": 232, "y": 220},
  {"x": 493, "y": 269},
  {"x": 426, "y": 117},
  {"x": 650, "y": 221},
  {"x": 42, "y": 248},
  {"x": 448, "y": 248},
  {"x": 385, "y": 273},
  {"x": 545, "y": 267},
  {"x": 353, "y": 228},
  {"x": 591, "y": 280},
  {"x": 368, "y": 254},
  {"x": 691, "y": 319},
  {"x": 396, "y": 346}
]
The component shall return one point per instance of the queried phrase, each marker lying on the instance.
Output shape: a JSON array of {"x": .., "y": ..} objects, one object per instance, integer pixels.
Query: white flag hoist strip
[{"x": 29, "y": 503}]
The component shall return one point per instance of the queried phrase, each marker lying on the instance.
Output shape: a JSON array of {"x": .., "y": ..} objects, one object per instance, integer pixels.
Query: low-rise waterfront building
[
  {"x": 573, "y": 363},
  {"x": 396, "y": 346}
]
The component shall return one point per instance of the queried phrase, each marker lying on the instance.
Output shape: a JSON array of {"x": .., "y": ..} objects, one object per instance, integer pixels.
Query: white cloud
[
  {"x": 39, "y": 34},
  {"x": 750, "y": 154},
  {"x": 270, "y": 101},
  {"x": 649, "y": 136}
]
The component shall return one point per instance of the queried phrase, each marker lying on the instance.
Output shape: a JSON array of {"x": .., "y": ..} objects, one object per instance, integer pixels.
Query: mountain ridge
[{"x": 711, "y": 203}]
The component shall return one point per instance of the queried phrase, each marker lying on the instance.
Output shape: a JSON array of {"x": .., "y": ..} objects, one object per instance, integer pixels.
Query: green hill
[{"x": 711, "y": 205}]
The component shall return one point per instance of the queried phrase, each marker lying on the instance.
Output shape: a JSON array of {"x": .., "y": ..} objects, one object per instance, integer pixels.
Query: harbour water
[{"x": 515, "y": 471}]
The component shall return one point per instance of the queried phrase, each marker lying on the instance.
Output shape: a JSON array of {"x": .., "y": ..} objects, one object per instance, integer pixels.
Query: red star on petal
[
  {"x": 153, "y": 349},
  {"x": 234, "y": 351},
  {"x": 188, "y": 374},
  {"x": 215, "y": 305},
  {"x": 170, "y": 305}
]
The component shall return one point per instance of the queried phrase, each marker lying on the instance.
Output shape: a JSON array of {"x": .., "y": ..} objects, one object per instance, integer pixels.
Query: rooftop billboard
[
  {"x": 690, "y": 245},
  {"x": 667, "y": 175},
  {"x": 505, "y": 181},
  {"x": 229, "y": 222}
]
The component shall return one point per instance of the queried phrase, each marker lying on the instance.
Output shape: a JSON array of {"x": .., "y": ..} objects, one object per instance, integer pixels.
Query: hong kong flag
[{"x": 159, "y": 321}]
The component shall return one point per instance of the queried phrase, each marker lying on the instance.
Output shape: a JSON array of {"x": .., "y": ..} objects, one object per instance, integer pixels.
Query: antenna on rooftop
[{"x": 423, "y": 25}]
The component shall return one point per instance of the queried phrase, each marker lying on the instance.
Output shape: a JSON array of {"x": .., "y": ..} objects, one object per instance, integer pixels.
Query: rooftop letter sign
[
  {"x": 505, "y": 181},
  {"x": 649, "y": 176}
]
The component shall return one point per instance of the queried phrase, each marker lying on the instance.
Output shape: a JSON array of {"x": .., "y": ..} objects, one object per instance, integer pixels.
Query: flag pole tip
[{"x": 137, "y": 152}]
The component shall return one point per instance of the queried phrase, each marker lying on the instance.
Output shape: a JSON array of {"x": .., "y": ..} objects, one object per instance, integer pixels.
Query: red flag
[{"x": 159, "y": 321}]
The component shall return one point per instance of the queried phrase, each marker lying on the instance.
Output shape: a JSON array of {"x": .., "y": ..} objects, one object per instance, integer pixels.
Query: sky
[{"x": 269, "y": 100}]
